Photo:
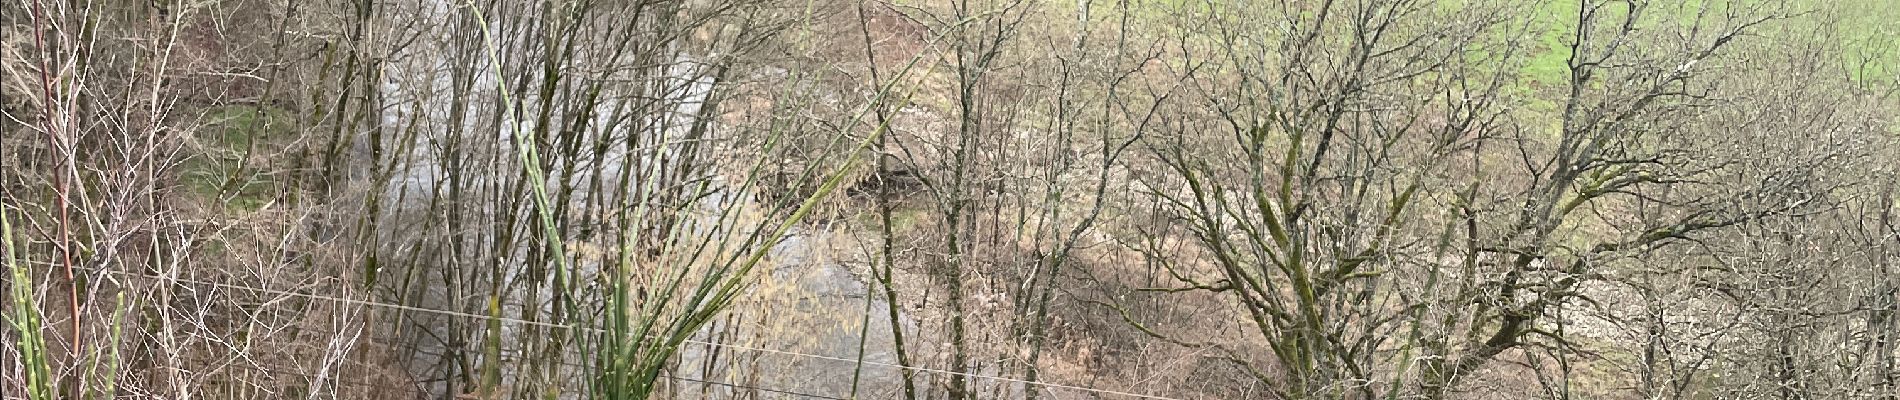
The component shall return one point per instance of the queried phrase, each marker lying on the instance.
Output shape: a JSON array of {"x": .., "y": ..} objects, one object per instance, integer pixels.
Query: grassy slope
[{"x": 230, "y": 137}]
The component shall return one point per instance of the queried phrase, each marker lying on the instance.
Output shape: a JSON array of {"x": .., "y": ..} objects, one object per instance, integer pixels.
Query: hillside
[{"x": 950, "y": 199}]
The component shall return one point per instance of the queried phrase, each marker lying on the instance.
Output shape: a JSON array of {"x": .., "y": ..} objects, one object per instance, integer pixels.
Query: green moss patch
[{"x": 229, "y": 137}]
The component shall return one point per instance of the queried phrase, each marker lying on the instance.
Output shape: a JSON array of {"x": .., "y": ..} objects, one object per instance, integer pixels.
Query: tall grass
[
  {"x": 25, "y": 320},
  {"x": 632, "y": 357},
  {"x": 619, "y": 221}
]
